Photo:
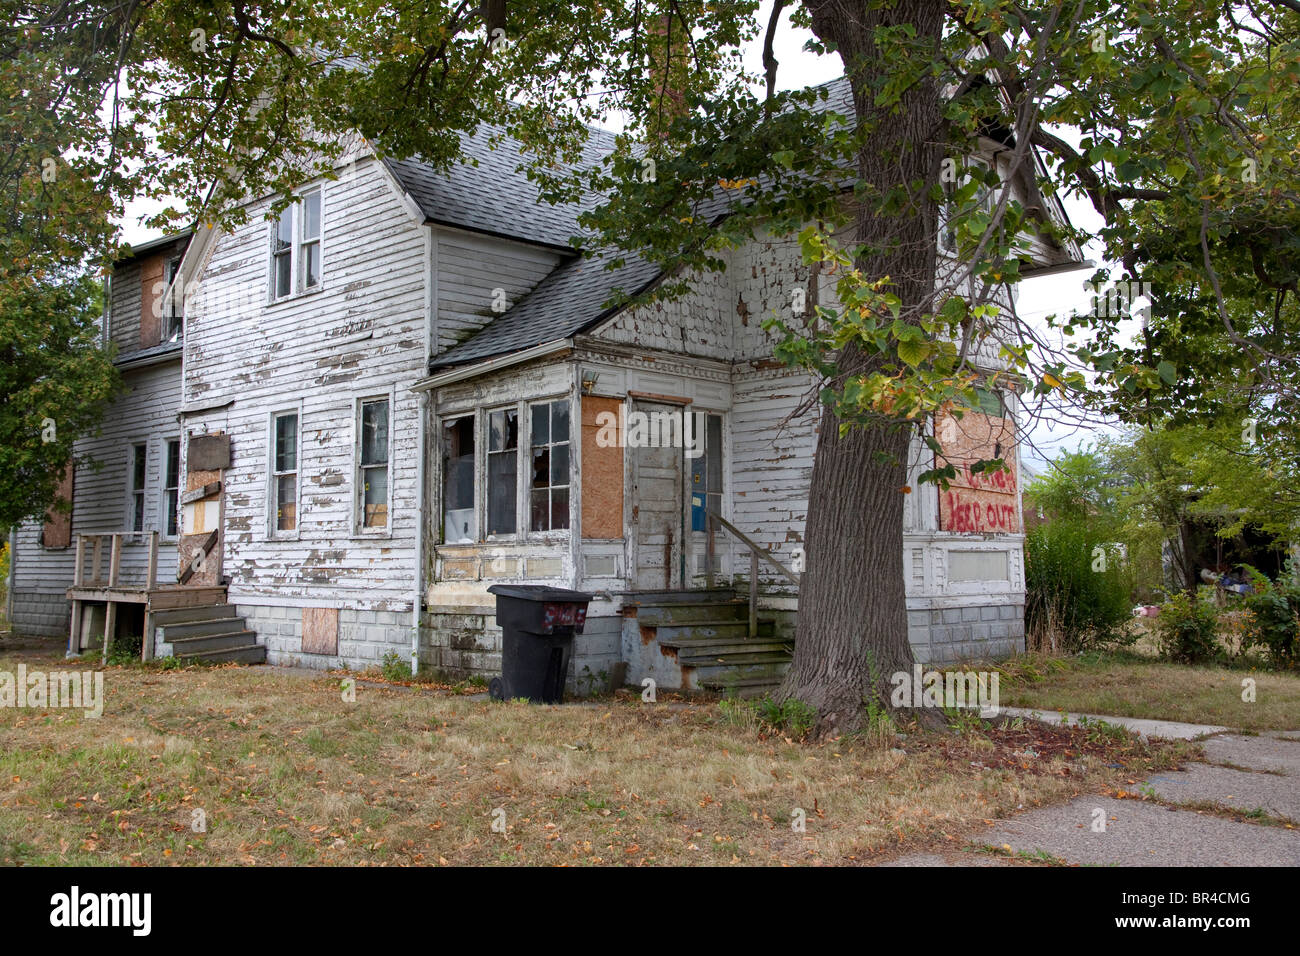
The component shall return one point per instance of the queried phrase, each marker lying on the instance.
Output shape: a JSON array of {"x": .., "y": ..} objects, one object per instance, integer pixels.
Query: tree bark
[{"x": 852, "y": 627}]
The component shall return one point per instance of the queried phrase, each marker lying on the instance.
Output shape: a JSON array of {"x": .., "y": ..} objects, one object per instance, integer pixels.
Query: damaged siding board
[
  {"x": 145, "y": 414},
  {"x": 362, "y": 334}
]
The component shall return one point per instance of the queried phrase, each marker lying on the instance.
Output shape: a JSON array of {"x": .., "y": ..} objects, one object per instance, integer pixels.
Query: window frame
[
  {"x": 486, "y": 535},
  {"x": 297, "y": 243},
  {"x": 359, "y": 529},
  {"x": 526, "y": 522},
  {"x": 478, "y": 478},
  {"x": 173, "y": 316},
  {"x": 273, "y": 533},
  {"x": 163, "y": 532},
  {"x": 134, "y": 493}
]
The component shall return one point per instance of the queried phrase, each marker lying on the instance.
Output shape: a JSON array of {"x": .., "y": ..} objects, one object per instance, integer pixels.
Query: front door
[{"x": 657, "y": 518}]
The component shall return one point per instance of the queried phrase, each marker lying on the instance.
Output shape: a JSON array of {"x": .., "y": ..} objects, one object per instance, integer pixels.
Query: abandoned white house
[{"x": 408, "y": 387}]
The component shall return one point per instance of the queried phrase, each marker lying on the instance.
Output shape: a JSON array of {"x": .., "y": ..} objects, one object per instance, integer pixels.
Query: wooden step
[
  {"x": 693, "y": 613},
  {"x": 716, "y": 632},
  {"x": 740, "y": 659},
  {"x": 183, "y": 646},
  {"x": 688, "y": 596},
  {"x": 216, "y": 625},
  {"x": 188, "y": 615},
  {"x": 247, "y": 654}
]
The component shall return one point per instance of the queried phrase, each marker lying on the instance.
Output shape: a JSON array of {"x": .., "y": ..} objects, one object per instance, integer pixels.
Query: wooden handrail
[
  {"x": 756, "y": 551},
  {"x": 753, "y": 546},
  {"x": 115, "y": 540}
]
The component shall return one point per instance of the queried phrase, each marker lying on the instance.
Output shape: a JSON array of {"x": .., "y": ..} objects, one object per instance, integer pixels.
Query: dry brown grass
[{"x": 288, "y": 772}]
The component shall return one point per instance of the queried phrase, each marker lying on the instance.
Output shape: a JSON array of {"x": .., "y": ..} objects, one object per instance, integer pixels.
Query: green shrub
[
  {"x": 394, "y": 667},
  {"x": 1273, "y": 622},
  {"x": 1069, "y": 606},
  {"x": 1188, "y": 628}
]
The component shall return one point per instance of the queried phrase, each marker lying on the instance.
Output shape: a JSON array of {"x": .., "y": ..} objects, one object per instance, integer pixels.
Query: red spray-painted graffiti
[{"x": 965, "y": 513}]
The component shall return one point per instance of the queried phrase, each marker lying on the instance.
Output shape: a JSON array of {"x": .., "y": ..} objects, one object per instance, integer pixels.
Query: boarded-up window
[
  {"x": 57, "y": 532},
  {"x": 980, "y": 502},
  {"x": 320, "y": 630},
  {"x": 602, "y": 470}
]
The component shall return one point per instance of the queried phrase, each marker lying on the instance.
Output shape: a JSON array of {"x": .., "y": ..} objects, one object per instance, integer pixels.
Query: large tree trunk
[{"x": 852, "y": 630}]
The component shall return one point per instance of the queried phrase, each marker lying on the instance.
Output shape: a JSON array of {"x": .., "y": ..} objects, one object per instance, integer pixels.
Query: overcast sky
[{"x": 799, "y": 68}]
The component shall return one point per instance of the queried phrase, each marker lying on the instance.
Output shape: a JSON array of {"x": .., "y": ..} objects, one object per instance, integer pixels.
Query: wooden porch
[{"x": 93, "y": 584}]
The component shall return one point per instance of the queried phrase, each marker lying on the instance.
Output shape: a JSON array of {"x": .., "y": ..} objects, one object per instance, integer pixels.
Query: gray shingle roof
[
  {"x": 571, "y": 298},
  {"x": 495, "y": 197}
]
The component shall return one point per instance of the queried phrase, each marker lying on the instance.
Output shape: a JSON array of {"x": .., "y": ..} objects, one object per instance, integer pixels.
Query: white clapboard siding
[
  {"x": 470, "y": 269},
  {"x": 699, "y": 323},
  {"x": 362, "y": 335},
  {"x": 145, "y": 414}
]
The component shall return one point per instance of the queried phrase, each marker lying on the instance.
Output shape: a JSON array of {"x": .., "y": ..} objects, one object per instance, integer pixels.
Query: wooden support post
[
  {"x": 78, "y": 562},
  {"x": 110, "y": 624},
  {"x": 114, "y": 560},
  {"x": 74, "y": 631},
  {"x": 753, "y": 594},
  {"x": 151, "y": 570},
  {"x": 708, "y": 550}
]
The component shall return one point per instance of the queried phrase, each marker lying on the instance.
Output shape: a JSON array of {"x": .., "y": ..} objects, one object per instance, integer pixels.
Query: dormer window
[{"x": 296, "y": 247}]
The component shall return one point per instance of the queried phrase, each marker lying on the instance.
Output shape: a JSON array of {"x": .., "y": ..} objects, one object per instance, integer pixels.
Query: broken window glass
[
  {"x": 459, "y": 524},
  {"x": 502, "y": 470}
]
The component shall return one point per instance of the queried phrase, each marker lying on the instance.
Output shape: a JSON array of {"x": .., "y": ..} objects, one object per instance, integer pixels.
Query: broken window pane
[
  {"x": 374, "y": 433},
  {"x": 548, "y": 501},
  {"x": 459, "y": 523},
  {"x": 286, "y": 495},
  {"x": 502, "y": 468},
  {"x": 375, "y": 498}
]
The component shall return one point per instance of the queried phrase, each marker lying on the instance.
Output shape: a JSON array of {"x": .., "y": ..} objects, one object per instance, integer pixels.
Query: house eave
[{"x": 489, "y": 365}]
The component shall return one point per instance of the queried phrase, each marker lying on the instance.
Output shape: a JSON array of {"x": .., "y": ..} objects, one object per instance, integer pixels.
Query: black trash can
[{"x": 537, "y": 623}]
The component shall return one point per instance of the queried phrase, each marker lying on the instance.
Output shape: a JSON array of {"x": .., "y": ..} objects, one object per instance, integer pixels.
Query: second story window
[
  {"x": 296, "y": 247},
  {"x": 173, "y": 317}
]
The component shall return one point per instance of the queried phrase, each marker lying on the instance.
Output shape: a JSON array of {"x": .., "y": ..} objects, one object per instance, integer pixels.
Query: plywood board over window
[
  {"x": 320, "y": 630},
  {"x": 975, "y": 502},
  {"x": 602, "y": 472},
  {"x": 57, "y": 532}
]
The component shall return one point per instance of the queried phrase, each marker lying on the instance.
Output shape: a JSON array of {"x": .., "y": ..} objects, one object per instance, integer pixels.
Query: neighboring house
[
  {"x": 131, "y": 487},
  {"x": 408, "y": 387}
]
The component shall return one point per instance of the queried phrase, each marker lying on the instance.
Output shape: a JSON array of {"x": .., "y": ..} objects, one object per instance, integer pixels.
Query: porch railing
[
  {"x": 756, "y": 551},
  {"x": 92, "y": 576}
]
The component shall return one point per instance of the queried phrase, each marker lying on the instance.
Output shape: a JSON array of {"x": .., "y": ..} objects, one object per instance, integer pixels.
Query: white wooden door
[{"x": 656, "y": 513}]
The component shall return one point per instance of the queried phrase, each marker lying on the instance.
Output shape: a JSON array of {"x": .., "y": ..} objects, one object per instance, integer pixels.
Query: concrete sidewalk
[{"x": 1255, "y": 775}]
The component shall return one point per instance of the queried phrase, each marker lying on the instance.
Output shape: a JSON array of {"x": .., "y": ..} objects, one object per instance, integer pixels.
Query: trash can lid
[{"x": 540, "y": 592}]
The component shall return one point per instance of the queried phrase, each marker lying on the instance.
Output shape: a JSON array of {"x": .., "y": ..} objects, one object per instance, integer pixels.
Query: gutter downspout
[{"x": 420, "y": 524}]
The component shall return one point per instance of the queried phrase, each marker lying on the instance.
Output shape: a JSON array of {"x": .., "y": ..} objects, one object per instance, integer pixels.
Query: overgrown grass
[
  {"x": 1131, "y": 685},
  {"x": 285, "y": 771}
]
